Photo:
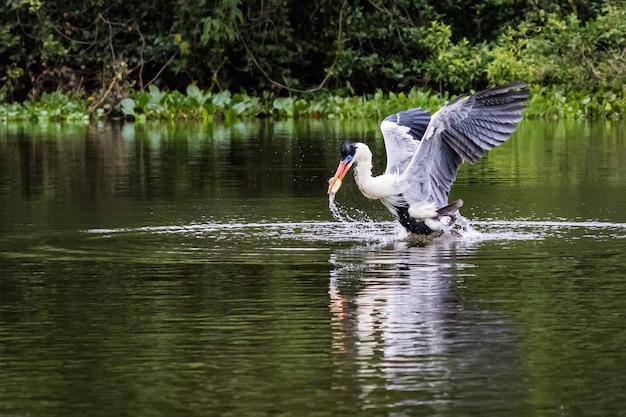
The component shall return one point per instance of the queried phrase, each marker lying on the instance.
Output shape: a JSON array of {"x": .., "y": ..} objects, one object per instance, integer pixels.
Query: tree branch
[{"x": 329, "y": 72}]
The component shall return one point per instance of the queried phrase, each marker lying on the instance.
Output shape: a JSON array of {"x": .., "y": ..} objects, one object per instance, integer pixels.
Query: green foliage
[
  {"x": 549, "y": 102},
  {"x": 460, "y": 65},
  {"x": 206, "y": 106},
  {"x": 307, "y": 59},
  {"x": 196, "y": 104},
  {"x": 552, "y": 103},
  {"x": 108, "y": 48},
  {"x": 564, "y": 51},
  {"x": 48, "y": 107}
]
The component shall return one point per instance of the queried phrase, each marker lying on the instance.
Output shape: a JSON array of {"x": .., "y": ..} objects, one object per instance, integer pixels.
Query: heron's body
[{"x": 424, "y": 154}]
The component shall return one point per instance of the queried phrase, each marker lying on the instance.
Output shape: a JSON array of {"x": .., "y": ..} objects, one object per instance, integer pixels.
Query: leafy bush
[
  {"x": 564, "y": 52},
  {"x": 460, "y": 66},
  {"x": 296, "y": 59},
  {"x": 107, "y": 48}
]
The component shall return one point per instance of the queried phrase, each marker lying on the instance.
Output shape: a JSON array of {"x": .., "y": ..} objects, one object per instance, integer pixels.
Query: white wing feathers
[{"x": 402, "y": 133}]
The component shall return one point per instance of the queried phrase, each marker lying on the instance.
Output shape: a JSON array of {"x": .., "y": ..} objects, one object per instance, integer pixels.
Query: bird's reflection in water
[{"x": 405, "y": 338}]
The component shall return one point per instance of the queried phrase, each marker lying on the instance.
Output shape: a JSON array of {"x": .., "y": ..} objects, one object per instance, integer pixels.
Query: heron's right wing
[
  {"x": 463, "y": 130},
  {"x": 402, "y": 133}
]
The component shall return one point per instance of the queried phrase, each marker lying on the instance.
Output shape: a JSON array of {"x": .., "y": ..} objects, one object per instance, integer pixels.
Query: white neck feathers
[{"x": 374, "y": 188}]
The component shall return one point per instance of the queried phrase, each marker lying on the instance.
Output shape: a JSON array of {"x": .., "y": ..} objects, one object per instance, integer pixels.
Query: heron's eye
[{"x": 349, "y": 158}]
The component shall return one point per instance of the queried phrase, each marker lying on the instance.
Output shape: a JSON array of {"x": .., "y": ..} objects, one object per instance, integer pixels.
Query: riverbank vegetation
[{"x": 207, "y": 60}]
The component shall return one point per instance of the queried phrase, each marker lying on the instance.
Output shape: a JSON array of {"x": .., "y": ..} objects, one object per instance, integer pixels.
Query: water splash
[
  {"x": 334, "y": 209},
  {"x": 460, "y": 229},
  {"x": 349, "y": 230},
  {"x": 341, "y": 214}
]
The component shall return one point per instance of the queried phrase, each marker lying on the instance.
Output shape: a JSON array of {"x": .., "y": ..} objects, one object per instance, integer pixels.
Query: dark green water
[{"x": 192, "y": 270}]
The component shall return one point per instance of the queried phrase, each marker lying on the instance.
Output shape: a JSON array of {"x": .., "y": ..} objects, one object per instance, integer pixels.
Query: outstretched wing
[
  {"x": 463, "y": 130},
  {"x": 402, "y": 133}
]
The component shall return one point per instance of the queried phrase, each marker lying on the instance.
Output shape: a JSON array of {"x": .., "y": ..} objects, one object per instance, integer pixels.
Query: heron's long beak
[{"x": 335, "y": 182}]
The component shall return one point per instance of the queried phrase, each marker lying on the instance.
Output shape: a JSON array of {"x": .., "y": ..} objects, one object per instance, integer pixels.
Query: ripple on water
[
  {"x": 213, "y": 241},
  {"x": 369, "y": 231}
]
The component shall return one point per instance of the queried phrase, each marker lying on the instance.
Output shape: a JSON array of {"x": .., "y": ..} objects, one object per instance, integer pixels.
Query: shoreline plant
[{"x": 207, "y": 107}]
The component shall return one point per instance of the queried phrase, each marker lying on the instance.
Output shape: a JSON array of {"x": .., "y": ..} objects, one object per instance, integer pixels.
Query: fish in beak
[{"x": 347, "y": 159}]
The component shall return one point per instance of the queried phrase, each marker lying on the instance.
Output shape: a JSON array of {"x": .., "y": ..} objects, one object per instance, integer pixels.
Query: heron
[{"x": 424, "y": 154}]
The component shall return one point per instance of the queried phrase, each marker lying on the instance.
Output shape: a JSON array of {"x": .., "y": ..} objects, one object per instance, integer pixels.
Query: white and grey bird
[{"x": 424, "y": 154}]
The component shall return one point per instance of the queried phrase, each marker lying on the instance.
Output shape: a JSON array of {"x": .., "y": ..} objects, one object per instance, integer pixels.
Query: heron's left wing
[
  {"x": 463, "y": 130},
  {"x": 402, "y": 133}
]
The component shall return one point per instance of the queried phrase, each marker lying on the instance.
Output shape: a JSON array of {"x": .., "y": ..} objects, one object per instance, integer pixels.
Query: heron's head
[{"x": 349, "y": 155}]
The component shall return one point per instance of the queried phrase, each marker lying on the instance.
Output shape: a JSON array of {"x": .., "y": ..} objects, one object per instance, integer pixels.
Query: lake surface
[{"x": 196, "y": 270}]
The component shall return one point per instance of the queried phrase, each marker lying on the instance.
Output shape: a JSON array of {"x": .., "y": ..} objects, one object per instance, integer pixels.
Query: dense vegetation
[{"x": 199, "y": 58}]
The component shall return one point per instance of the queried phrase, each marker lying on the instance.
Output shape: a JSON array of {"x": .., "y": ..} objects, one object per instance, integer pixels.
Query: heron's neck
[
  {"x": 363, "y": 170},
  {"x": 364, "y": 179},
  {"x": 381, "y": 187}
]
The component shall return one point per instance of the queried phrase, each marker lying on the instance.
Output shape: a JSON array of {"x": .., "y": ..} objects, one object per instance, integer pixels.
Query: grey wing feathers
[
  {"x": 493, "y": 115},
  {"x": 444, "y": 167},
  {"x": 464, "y": 130},
  {"x": 402, "y": 132}
]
